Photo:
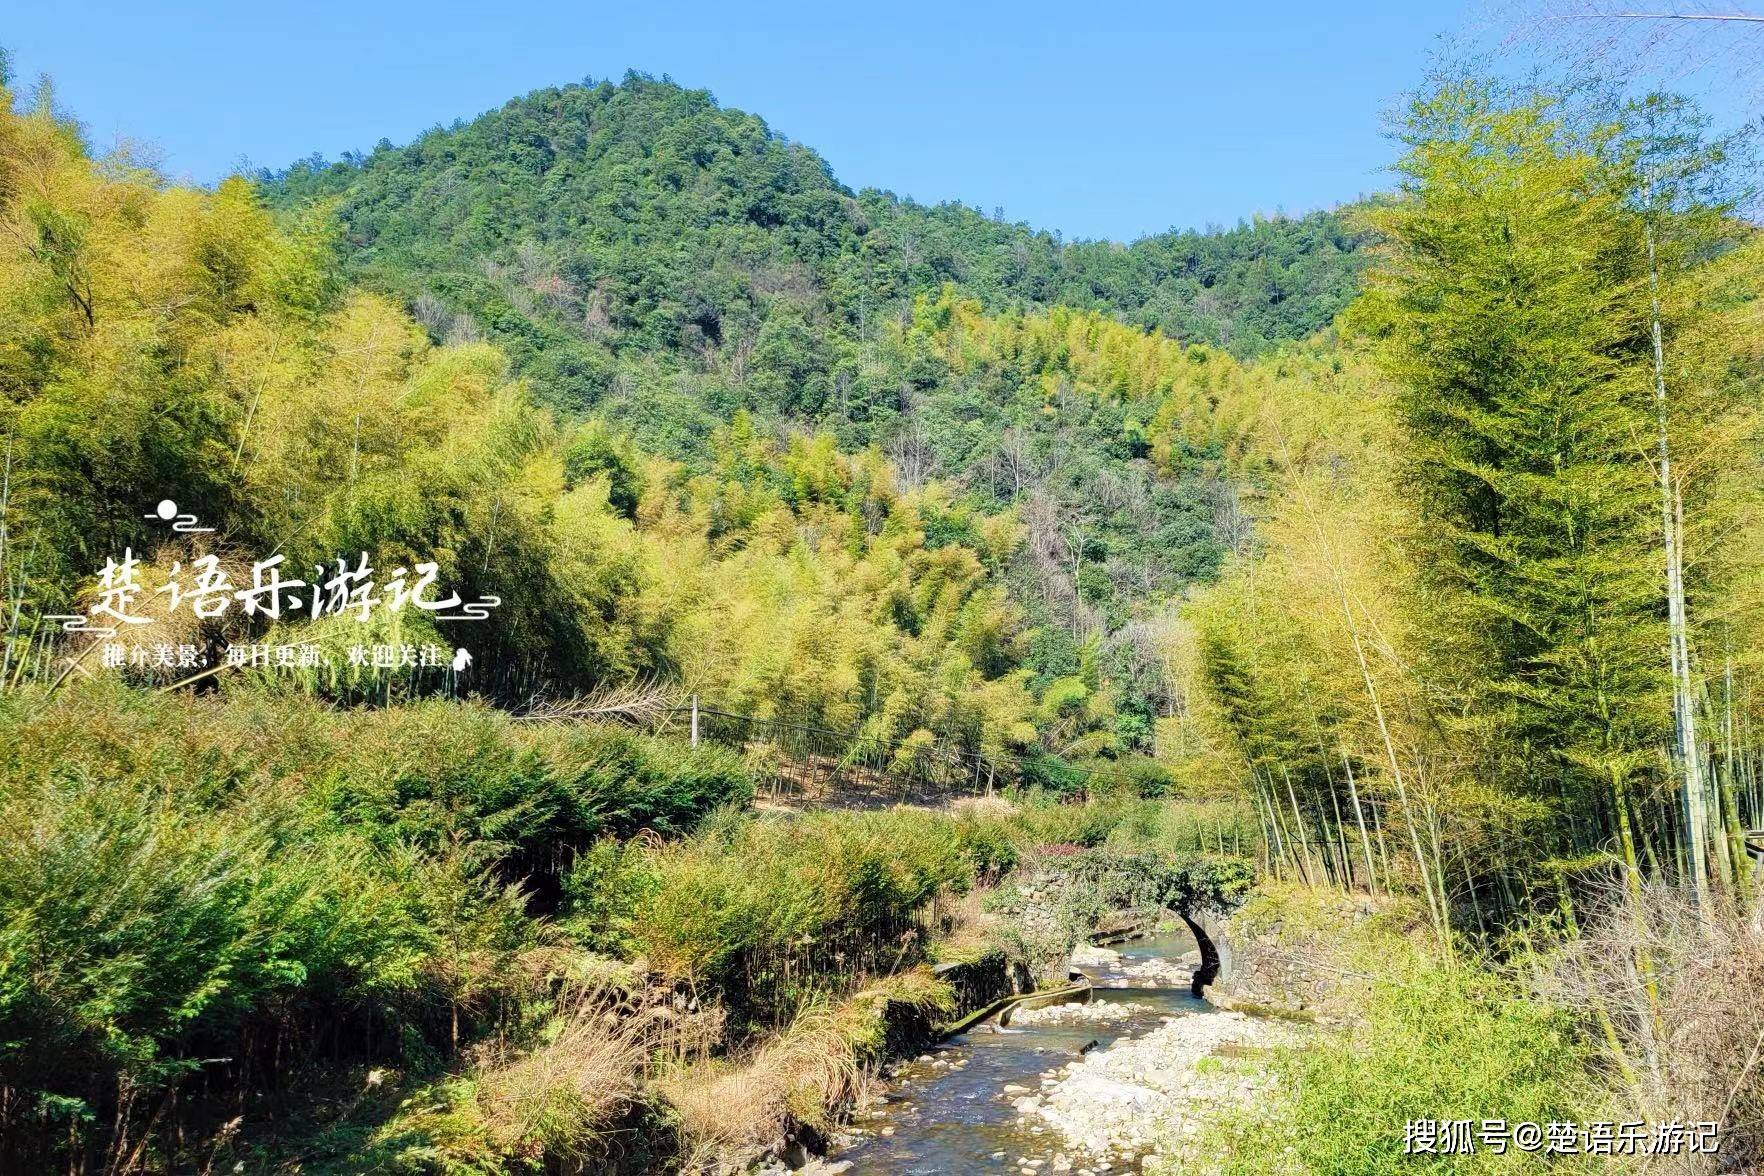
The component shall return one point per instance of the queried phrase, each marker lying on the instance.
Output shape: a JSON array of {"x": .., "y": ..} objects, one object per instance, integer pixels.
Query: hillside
[
  {"x": 645, "y": 255},
  {"x": 591, "y": 227},
  {"x": 351, "y": 820}
]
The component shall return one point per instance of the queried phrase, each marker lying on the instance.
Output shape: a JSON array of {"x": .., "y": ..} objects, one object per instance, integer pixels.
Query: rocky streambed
[
  {"x": 1080, "y": 1088},
  {"x": 1115, "y": 1105}
]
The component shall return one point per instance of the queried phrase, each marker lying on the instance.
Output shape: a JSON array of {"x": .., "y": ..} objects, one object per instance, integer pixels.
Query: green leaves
[{"x": 1510, "y": 312}]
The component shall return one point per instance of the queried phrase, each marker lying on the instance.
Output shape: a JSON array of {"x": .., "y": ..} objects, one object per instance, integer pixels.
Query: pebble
[
  {"x": 1097, "y": 1012},
  {"x": 1145, "y": 1091}
]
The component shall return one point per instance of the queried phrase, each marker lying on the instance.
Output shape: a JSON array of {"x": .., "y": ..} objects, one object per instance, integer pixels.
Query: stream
[{"x": 949, "y": 1110}]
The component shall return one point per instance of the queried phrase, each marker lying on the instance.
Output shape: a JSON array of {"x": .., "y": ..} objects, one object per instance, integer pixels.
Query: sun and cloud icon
[{"x": 184, "y": 523}]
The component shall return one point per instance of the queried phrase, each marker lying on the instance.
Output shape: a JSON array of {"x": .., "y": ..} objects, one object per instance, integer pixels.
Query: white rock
[{"x": 1144, "y": 1091}]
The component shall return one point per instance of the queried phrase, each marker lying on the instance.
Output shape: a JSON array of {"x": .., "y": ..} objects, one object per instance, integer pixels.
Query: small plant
[{"x": 1431, "y": 1041}]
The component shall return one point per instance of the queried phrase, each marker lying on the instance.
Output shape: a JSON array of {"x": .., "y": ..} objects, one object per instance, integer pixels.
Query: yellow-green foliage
[
  {"x": 1344, "y": 926},
  {"x": 1193, "y": 399},
  {"x": 761, "y": 907},
  {"x": 163, "y": 342},
  {"x": 769, "y": 910},
  {"x": 801, "y": 586},
  {"x": 729, "y": 1109},
  {"x": 556, "y": 1105},
  {"x": 175, "y": 871},
  {"x": 1445, "y": 659}
]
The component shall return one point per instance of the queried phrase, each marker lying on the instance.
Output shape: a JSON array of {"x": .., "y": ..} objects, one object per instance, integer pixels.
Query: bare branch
[{"x": 642, "y": 703}]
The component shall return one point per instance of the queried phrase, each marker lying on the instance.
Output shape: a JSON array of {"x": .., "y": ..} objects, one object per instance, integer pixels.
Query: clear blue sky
[{"x": 1100, "y": 120}]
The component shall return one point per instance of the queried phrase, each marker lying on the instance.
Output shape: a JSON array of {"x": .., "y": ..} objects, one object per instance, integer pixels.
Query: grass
[
  {"x": 549, "y": 1106},
  {"x": 769, "y": 911},
  {"x": 441, "y": 939},
  {"x": 766, "y": 910},
  {"x": 1421, "y": 1038},
  {"x": 820, "y": 1061}
]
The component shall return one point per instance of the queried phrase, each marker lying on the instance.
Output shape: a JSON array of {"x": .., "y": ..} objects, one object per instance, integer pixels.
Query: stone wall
[
  {"x": 1296, "y": 950},
  {"x": 979, "y": 982}
]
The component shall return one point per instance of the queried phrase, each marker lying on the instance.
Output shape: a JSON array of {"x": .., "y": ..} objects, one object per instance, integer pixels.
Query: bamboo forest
[{"x": 581, "y": 642}]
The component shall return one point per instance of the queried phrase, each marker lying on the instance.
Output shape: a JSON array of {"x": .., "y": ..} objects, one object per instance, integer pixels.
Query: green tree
[{"x": 1509, "y": 312}]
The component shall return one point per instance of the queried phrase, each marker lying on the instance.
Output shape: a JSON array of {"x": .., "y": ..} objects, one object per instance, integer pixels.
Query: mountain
[
  {"x": 590, "y": 227},
  {"x": 659, "y": 261}
]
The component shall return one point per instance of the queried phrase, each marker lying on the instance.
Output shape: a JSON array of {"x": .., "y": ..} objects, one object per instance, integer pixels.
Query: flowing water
[{"x": 951, "y": 1114}]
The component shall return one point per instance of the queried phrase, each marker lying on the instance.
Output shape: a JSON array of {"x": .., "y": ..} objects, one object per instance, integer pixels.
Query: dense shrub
[
  {"x": 758, "y": 908},
  {"x": 185, "y": 879},
  {"x": 1132, "y": 777}
]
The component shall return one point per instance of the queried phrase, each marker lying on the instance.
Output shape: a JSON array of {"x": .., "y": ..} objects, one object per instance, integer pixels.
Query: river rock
[
  {"x": 1144, "y": 1091},
  {"x": 1087, "y": 956},
  {"x": 1100, "y": 1012}
]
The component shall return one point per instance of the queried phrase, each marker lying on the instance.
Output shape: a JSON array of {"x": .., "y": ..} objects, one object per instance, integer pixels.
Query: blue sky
[{"x": 1097, "y": 120}]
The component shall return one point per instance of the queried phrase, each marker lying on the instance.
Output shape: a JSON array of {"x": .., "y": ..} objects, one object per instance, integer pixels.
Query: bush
[
  {"x": 1129, "y": 777},
  {"x": 738, "y": 1108},
  {"x": 1039, "y": 770},
  {"x": 187, "y": 878},
  {"x": 1431, "y": 1041},
  {"x": 764, "y": 909},
  {"x": 555, "y": 1107}
]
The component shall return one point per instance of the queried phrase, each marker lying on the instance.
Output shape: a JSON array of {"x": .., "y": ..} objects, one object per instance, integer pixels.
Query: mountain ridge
[{"x": 603, "y": 193}]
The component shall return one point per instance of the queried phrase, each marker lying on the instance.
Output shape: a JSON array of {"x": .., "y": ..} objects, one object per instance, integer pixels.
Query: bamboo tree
[
  {"x": 1503, "y": 313},
  {"x": 1360, "y": 822},
  {"x": 1690, "y": 762}
]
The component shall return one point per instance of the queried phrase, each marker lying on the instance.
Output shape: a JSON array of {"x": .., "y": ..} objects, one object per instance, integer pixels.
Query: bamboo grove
[
  {"x": 1498, "y": 642},
  {"x": 157, "y": 339},
  {"x": 1463, "y": 589}
]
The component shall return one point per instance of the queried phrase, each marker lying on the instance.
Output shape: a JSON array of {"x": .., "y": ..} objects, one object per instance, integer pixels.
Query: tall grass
[
  {"x": 733, "y": 1108},
  {"x": 208, "y": 900},
  {"x": 768, "y": 911},
  {"x": 1404, "y": 1033},
  {"x": 546, "y": 1105},
  {"x": 199, "y": 895},
  {"x": 1670, "y": 996}
]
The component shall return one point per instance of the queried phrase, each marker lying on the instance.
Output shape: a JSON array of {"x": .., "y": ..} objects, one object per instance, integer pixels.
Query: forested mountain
[
  {"x": 590, "y": 226},
  {"x": 656, "y": 260},
  {"x": 1447, "y": 610}
]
